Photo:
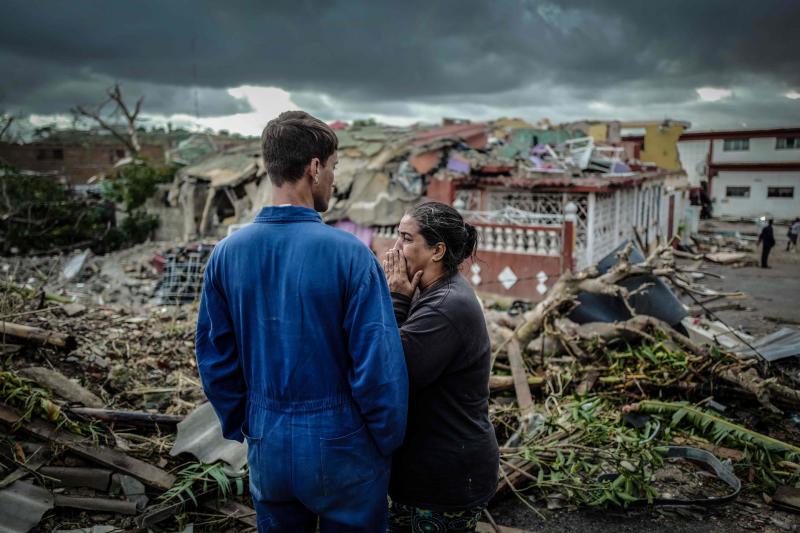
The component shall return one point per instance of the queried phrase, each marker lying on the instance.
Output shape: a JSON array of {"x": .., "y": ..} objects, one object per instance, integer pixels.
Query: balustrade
[{"x": 519, "y": 240}]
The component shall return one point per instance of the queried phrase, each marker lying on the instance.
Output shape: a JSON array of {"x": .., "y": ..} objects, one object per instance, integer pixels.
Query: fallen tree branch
[{"x": 38, "y": 336}]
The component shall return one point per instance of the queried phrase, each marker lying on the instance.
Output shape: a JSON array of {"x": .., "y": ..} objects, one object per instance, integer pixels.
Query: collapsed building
[{"x": 544, "y": 200}]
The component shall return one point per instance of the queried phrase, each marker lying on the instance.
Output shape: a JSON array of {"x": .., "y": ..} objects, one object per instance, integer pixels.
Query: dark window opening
[
  {"x": 58, "y": 153},
  {"x": 737, "y": 192},
  {"x": 787, "y": 143},
  {"x": 735, "y": 145},
  {"x": 780, "y": 192}
]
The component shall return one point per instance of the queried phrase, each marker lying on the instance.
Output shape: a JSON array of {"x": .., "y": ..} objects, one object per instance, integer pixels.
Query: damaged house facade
[{"x": 543, "y": 202}]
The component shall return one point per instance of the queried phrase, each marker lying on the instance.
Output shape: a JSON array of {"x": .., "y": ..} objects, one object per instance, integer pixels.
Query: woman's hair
[{"x": 439, "y": 222}]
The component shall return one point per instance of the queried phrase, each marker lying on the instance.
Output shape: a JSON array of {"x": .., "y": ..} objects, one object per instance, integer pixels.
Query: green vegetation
[{"x": 39, "y": 214}]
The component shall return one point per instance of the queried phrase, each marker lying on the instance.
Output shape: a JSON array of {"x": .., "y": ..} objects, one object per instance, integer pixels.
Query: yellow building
[{"x": 660, "y": 144}]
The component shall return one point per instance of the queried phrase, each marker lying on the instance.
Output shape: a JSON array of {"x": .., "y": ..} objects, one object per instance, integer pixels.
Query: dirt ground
[
  {"x": 771, "y": 303},
  {"x": 747, "y": 514},
  {"x": 772, "y": 294}
]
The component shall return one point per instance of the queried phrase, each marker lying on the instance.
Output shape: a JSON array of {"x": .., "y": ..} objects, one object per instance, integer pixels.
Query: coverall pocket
[
  {"x": 348, "y": 461},
  {"x": 253, "y": 432}
]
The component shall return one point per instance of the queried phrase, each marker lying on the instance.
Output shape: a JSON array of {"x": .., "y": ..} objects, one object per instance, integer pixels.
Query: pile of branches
[{"x": 579, "y": 446}]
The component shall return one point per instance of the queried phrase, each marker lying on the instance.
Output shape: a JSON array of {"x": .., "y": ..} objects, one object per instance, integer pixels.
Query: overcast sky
[{"x": 235, "y": 65}]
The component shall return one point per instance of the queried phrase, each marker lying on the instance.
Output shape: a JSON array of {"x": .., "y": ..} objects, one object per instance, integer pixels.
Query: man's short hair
[{"x": 291, "y": 141}]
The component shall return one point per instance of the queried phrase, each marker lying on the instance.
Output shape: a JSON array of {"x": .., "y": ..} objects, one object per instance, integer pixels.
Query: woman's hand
[{"x": 396, "y": 269}]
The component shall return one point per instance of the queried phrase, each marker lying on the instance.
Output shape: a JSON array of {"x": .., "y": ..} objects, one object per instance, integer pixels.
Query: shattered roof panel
[
  {"x": 200, "y": 434},
  {"x": 22, "y": 506},
  {"x": 462, "y": 131},
  {"x": 228, "y": 168}
]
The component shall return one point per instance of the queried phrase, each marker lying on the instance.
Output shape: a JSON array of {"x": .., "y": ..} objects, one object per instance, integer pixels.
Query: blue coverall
[{"x": 299, "y": 352}]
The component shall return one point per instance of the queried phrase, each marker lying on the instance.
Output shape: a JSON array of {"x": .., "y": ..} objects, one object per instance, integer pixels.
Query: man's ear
[
  {"x": 439, "y": 252},
  {"x": 313, "y": 167}
]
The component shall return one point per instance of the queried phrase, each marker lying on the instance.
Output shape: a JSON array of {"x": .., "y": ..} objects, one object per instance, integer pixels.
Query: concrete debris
[
  {"x": 73, "y": 309},
  {"x": 132, "y": 488}
]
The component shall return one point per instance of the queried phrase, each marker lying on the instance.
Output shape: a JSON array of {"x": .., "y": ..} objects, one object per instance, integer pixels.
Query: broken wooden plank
[
  {"x": 128, "y": 417},
  {"x": 520, "y": 376},
  {"x": 61, "y": 385},
  {"x": 486, "y": 527},
  {"x": 37, "y": 336},
  {"x": 500, "y": 383},
  {"x": 147, "y": 473},
  {"x": 106, "y": 505},
  {"x": 77, "y": 476}
]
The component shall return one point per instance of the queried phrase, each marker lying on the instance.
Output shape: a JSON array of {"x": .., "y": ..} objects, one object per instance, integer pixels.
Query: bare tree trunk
[
  {"x": 131, "y": 141},
  {"x": 5, "y": 125}
]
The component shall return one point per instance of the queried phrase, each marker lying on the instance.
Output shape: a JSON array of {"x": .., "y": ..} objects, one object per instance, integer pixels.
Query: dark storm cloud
[{"x": 392, "y": 55}]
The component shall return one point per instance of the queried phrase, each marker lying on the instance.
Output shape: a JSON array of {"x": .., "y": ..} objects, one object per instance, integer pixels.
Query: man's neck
[{"x": 292, "y": 195}]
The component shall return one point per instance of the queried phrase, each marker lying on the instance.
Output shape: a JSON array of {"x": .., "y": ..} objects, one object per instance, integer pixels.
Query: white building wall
[
  {"x": 757, "y": 204},
  {"x": 762, "y": 150},
  {"x": 693, "y": 156}
]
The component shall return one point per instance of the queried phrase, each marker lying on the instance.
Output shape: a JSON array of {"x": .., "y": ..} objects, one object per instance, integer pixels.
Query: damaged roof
[
  {"x": 228, "y": 168},
  {"x": 377, "y": 179}
]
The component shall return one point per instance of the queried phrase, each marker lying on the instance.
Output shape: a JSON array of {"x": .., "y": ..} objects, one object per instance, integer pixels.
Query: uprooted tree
[
  {"x": 111, "y": 110},
  {"x": 578, "y": 446},
  {"x": 547, "y": 330}
]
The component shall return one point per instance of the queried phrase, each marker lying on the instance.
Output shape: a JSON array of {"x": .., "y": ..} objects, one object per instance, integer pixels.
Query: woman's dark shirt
[{"x": 449, "y": 458}]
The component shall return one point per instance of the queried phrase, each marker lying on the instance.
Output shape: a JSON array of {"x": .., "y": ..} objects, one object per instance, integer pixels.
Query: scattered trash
[{"x": 75, "y": 265}]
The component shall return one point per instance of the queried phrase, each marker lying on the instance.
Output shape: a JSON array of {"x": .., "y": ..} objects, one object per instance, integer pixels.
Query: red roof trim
[
  {"x": 727, "y": 134},
  {"x": 789, "y": 165}
]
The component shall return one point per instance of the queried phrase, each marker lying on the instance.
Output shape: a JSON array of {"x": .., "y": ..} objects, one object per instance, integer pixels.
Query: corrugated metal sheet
[
  {"x": 200, "y": 434},
  {"x": 22, "y": 506},
  {"x": 777, "y": 345}
]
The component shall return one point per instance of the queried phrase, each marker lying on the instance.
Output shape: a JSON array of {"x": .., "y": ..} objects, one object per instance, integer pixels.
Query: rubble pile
[
  {"x": 603, "y": 394},
  {"x": 598, "y": 412}
]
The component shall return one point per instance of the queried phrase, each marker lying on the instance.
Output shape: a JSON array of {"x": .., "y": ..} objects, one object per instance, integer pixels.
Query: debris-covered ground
[{"x": 597, "y": 406}]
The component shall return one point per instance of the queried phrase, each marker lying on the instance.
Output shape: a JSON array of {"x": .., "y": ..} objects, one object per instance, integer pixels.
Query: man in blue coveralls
[{"x": 298, "y": 349}]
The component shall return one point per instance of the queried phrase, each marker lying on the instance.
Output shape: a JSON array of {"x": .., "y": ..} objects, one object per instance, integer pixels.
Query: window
[
  {"x": 787, "y": 143},
  {"x": 41, "y": 154},
  {"x": 736, "y": 145},
  {"x": 780, "y": 192},
  {"x": 737, "y": 192},
  {"x": 58, "y": 153}
]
